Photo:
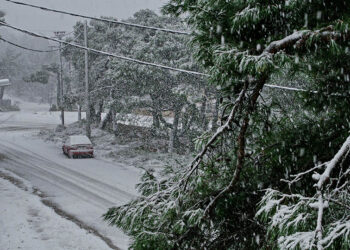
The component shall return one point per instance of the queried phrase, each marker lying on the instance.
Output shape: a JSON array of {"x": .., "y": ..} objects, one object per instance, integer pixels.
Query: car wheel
[{"x": 70, "y": 155}]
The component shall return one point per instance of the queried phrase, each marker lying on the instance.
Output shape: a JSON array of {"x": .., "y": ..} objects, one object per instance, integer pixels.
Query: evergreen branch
[
  {"x": 198, "y": 159},
  {"x": 298, "y": 176},
  {"x": 299, "y": 38},
  {"x": 339, "y": 203},
  {"x": 321, "y": 181},
  {"x": 241, "y": 145},
  {"x": 316, "y": 238}
]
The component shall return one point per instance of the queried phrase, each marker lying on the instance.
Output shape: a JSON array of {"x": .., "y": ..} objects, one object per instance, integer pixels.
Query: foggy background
[
  {"x": 46, "y": 22},
  {"x": 16, "y": 63}
]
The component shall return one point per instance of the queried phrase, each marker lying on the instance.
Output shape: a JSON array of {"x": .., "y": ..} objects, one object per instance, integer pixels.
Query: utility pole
[
  {"x": 87, "y": 87},
  {"x": 60, "y": 92}
]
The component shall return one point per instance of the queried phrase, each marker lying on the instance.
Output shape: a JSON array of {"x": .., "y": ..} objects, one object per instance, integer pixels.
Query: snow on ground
[
  {"x": 84, "y": 189},
  {"x": 34, "y": 113},
  {"x": 131, "y": 147},
  {"x": 36, "y": 116},
  {"x": 26, "y": 223}
]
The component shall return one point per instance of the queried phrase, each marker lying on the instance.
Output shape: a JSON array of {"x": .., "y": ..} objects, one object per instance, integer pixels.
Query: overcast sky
[{"x": 46, "y": 22}]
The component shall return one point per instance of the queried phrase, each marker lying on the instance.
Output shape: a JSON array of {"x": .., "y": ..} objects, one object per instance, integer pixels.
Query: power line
[
  {"x": 135, "y": 60},
  {"x": 101, "y": 19},
  {"x": 104, "y": 53},
  {"x": 37, "y": 50},
  {"x": 25, "y": 48},
  {"x": 287, "y": 88}
]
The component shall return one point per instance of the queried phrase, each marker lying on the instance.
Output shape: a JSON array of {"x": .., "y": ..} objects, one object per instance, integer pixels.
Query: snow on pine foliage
[
  {"x": 212, "y": 203},
  {"x": 319, "y": 221}
]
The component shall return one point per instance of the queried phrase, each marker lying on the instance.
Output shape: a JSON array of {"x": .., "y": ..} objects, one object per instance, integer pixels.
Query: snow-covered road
[
  {"x": 83, "y": 189},
  {"x": 26, "y": 223}
]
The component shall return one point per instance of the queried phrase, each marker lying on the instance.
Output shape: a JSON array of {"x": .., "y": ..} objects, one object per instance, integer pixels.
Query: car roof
[{"x": 79, "y": 139}]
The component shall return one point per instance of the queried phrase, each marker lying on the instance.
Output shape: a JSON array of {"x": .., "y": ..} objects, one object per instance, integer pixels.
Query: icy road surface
[{"x": 84, "y": 189}]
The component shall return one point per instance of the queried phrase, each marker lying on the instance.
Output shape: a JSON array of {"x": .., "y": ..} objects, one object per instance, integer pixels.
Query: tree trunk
[
  {"x": 155, "y": 112},
  {"x": 203, "y": 112},
  {"x": 79, "y": 113},
  {"x": 92, "y": 113},
  {"x": 2, "y": 91},
  {"x": 99, "y": 112},
  {"x": 174, "y": 140},
  {"x": 171, "y": 141},
  {"x": 107, "y": 119},
  {"x": 156, "y": 122},
  {"x": 114, "y": 123},
  {"x": 216, "y": 114}
]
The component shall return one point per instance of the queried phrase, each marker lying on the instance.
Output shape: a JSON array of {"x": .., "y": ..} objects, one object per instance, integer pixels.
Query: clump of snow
[
  {"x": 79, "y": 140},
  {"x": 305, "y": 240}
]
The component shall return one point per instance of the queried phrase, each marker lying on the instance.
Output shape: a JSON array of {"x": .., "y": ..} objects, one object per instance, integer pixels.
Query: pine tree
[{"x": 244, "y": 45}]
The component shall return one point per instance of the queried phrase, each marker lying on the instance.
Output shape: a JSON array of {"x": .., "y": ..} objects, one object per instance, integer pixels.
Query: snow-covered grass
[
  {"x": 26, "y": 223},
  {"x": 134, "y": 146}
]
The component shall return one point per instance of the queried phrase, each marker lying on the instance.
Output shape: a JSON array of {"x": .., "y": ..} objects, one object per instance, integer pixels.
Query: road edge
[{"x": 44, "y": 199}]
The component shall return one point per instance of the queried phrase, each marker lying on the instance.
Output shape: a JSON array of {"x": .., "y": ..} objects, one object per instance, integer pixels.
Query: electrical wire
[
  {"x": 134, "y": 60},
  {"x": 103, "y": 52},
  {"x": 101, "y": 19},
  {"x": 287, "y": 88},
  {"x": 37, "y": 50},
  {"x": 25, "y": 48}
]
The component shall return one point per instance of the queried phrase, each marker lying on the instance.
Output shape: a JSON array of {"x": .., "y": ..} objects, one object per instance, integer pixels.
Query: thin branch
[
  {"x": 241, "y": 146},
  {"x": 321, "y": 181},
  {"x": 298, "y": 176},
  {"x": 299, "y": 39},
  {"x": 195, "y": 163}
]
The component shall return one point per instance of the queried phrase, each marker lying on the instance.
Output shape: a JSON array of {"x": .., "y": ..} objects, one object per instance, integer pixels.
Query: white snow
[
  {"x": 331, "y": 164},
  {"x": 26, "y": 223},
  {"x": 37, "y": 116},
  {"x": 85, "y": 188},
  {"x": 79, "y": 140},
  {"x": 34, "y": 116}
]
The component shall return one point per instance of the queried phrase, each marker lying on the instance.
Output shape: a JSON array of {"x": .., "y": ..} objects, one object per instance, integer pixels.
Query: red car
[{"x": 78, "y": 146}]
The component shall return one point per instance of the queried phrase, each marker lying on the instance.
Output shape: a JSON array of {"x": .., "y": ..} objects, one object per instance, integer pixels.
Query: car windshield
[{"x": 79, "y": 140}]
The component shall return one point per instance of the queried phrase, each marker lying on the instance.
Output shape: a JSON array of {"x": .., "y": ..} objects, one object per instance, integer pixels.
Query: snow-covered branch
[
  {"x": 295, "y": 213},
  {"x": 198, "y": 159},
  {"x": 299, "y": 38}
]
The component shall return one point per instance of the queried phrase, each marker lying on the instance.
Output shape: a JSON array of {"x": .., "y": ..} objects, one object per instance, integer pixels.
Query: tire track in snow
[
  {"x": 38, "y": 159},
  {"x": 33, "y": 166},
  {"x": 61, "y": 212}
]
